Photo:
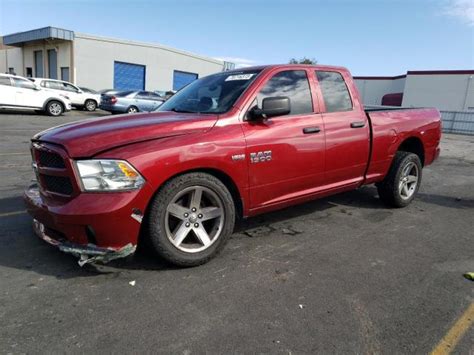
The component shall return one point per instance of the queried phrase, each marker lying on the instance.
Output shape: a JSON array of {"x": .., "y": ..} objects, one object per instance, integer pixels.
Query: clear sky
[{"x": 370, "y": 37}]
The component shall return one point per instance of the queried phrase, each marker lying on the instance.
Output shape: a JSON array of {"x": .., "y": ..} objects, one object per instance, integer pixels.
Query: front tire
[
  {"x": 403, "y": 180},
  {"x": 190, "y": 219},
  {"x": 90, "y": 105},
  {"x": 54, "y": 108}
]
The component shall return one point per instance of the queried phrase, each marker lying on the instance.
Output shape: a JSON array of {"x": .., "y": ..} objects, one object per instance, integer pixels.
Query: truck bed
[{"x": 392, "y": 125}]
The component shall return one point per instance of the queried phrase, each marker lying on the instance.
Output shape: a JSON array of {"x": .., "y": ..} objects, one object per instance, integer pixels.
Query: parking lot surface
[{"x": 343, "y": 274}]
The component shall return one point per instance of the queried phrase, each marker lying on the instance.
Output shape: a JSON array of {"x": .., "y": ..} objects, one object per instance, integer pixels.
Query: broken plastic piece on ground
[
  {"x": 132, "y": 283},
  {"x": 469, "y": 276},
  {"x": 103, "y": 258}
]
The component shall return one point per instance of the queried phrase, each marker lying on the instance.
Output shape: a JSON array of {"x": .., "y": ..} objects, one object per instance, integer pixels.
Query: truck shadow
[{"x": 20, "y": 249}]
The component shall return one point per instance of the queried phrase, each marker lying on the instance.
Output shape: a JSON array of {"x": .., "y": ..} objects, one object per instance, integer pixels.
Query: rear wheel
[
  {"x": 132, "y": 109},
  {"x": 191, "y": 219},
  {"x": 90, "y": 105},
  {"x": 54, "y": 108},
  {"x": 403, "y": 180}
]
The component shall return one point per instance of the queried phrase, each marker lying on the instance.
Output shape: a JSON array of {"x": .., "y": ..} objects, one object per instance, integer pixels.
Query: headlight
[{"x": 108, "y": 175}]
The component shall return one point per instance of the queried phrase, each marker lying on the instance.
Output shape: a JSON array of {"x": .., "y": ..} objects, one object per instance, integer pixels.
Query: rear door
[
  {"x": 143, "y": 101},
  {"x": 346, "y": 129},
  {"x": 7, "y": 91},
  {"x": 27, "y": 95},
  {"x": 285, "y": 153}
]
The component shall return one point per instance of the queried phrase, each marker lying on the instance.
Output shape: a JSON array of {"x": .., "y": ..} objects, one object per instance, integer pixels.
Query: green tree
[{"x": 303, "y": 60}]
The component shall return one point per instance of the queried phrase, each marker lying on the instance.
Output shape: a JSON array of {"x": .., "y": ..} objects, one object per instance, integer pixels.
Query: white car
[
  {"x": 78, "y": 97},
  {"x": 17, "y": 92}
]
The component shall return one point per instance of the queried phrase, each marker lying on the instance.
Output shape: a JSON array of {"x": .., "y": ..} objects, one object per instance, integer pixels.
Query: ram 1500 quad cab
[{"x": 229, "y": 145}]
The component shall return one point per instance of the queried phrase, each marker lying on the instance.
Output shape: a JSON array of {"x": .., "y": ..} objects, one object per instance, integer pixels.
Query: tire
[
  {"x": 54, "y": 108},
  {"x": 90, "y": 105},
  {"x": 403, "y": 180},
  {"x": 132, "y": 109},
  {"x": 185, "y": 236}
]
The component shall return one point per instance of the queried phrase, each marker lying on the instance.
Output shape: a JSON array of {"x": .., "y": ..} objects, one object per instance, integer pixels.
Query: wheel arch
[
  {"x": 47, "y": 101},
  {"x": 413, "y": 145}
]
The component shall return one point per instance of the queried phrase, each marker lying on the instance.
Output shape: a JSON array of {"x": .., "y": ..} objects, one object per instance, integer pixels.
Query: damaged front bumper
[
  {"x": 93, "y": 227},
  {"x": 89, "y": 253}
]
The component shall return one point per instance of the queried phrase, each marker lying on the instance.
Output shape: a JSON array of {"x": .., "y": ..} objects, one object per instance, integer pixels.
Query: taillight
[{"x": 113, "y": 100}]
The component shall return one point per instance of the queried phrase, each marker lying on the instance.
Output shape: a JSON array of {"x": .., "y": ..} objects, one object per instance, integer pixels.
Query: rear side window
[
  {"x": 23, "y": 83},
  {"x": 293, "y": 84},
  {"x": 335, "y": 94},
  {"x": 5, "y": 81}
]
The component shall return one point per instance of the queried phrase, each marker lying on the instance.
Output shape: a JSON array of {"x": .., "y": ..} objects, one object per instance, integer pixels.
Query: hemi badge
[{"x": 238, "y": 157}]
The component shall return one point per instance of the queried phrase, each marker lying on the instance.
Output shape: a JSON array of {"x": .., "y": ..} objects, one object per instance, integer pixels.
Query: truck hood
[{"x": 87, "y": 138}]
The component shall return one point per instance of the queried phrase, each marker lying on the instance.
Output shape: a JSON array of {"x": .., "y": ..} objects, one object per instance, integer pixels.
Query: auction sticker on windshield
[{"x": 239, "y": 77}]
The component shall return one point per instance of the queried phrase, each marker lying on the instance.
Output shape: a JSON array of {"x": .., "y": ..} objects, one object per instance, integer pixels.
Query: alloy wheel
[
  {"x": 194, "y": 219},
  {"x": 408, "y": 181},
  {"x": 55, "y": 109}
]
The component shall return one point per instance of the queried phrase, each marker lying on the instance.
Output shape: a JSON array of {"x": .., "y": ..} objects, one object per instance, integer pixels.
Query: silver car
[{"x": 131, "y": 102}]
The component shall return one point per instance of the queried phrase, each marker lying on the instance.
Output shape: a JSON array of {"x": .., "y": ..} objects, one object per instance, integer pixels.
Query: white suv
[
  {"x": 17, "y": 92},
  {"x": 79, "y": 98}
]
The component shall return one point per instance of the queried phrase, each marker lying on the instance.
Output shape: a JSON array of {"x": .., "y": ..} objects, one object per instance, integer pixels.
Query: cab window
[
  {"x": 335, "y": 93},
  {"x": 293, "y": 84}
]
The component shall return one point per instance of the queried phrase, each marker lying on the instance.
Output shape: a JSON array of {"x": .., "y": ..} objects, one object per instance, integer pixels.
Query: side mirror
[{"x": 272, "y": 107}]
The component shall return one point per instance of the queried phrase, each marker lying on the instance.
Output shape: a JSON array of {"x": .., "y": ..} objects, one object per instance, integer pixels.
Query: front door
[{"x": 285, "y": 153}]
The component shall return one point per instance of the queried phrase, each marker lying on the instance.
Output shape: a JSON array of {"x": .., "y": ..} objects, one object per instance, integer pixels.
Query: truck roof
[{"x": 290, "y": 66}]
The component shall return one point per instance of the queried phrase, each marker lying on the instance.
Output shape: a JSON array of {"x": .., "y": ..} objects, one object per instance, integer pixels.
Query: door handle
[
  {"x": 358, "y": 124},
  {"x": 311, "y": 130}
]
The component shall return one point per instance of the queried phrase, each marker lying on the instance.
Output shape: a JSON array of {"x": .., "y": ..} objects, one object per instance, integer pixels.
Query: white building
[
  {"x": 102, "y": 63},
  {"x": 447, "y": 90}
]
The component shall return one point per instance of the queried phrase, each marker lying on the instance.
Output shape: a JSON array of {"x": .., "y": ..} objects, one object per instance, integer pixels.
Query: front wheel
[
  {"x": 54, "y": 108},
  {"x": 132, "y": 109},
  {"x": 190, "y": 219},
  {"x": 90, "y": 105},
  {"x": 403, "y": 180}
]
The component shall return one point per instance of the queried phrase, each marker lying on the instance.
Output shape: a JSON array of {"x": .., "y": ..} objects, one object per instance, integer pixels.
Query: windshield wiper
[{"x": 174, "y": 109}]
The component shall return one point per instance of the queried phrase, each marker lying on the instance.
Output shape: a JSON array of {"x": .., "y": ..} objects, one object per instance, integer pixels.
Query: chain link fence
[{"x": 461, "y": 122}]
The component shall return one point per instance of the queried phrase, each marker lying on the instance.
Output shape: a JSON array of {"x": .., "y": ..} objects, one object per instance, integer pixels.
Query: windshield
[{"x": 211, "y": 94}]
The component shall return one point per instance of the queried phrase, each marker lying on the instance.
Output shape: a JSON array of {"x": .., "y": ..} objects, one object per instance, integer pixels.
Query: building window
[
  {"x": 38, "y": 64},
  {"x": 52, "y": 63},
  {"x": 65, "y": 73},
  {"x": 11, "y": 71},
  {"x": 29, "y": 72},
  {"x": 182, "y": 78}
]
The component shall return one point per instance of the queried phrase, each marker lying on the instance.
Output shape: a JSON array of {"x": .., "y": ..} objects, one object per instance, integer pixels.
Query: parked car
[
  {"x": 165, "y": 94},
  {"x": 17, "y": 92},
  {"x": 79, "y": 98},
  {"x": 131, "y": 102},
  {"x": 180, "y": 177}
]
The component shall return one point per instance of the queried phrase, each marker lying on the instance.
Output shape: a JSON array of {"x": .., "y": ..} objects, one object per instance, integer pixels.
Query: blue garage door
[
  {"x": 182, "y": 78},
  {"x": 129, "y": 76}
]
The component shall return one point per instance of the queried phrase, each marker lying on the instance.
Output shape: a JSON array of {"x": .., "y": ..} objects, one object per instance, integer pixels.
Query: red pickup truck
[{"x": 229, "y": 145}]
